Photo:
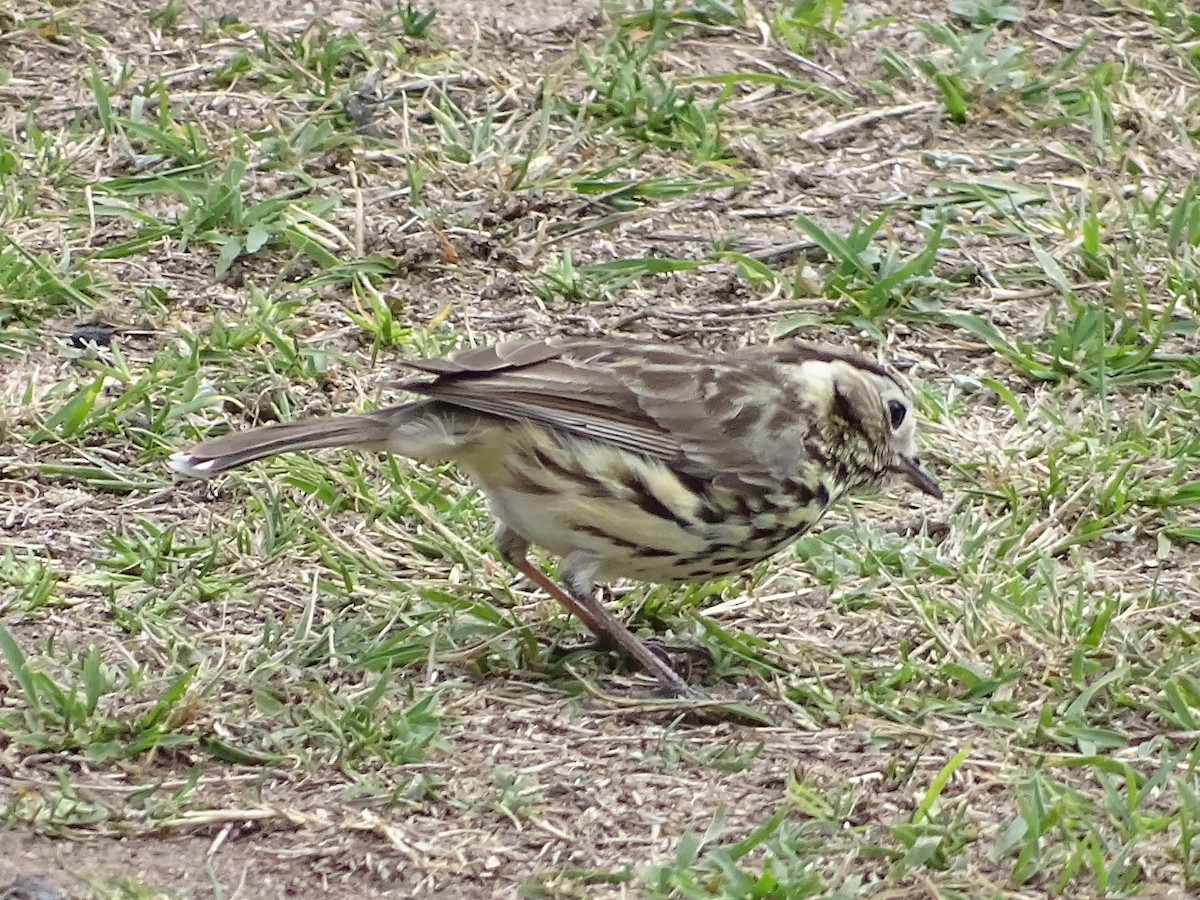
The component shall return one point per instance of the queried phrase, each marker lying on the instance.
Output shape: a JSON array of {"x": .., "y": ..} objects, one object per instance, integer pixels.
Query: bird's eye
[{"x": 897, "y": 411}]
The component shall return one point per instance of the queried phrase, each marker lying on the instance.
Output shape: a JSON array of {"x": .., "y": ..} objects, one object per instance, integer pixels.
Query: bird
[{"x": 626, "y": 459}]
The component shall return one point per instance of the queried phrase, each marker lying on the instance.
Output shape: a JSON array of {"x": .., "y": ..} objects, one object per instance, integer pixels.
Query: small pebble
[
  {"x": 91, "y": 335},
  {"x": 29, "y": 887}
]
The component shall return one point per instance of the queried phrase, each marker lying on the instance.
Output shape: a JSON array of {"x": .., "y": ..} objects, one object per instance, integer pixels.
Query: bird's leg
[
  {"x": 579, "y": 598},
  {"x": 576, "y": 573},
  {"x": 680, "y": 657},
  {"x": 513, "y": 548},
  {"x": 675, "y": 655}
]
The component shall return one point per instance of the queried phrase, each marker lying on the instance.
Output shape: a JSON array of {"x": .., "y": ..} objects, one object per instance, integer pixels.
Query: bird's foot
[{"x": 683, "y": 658}]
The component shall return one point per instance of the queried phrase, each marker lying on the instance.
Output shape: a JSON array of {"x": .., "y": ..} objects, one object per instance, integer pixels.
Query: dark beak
[{"x": 912, "y": 470}]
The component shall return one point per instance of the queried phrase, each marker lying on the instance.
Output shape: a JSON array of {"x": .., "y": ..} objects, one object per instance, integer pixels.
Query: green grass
[{"x": 995, "y": 696}]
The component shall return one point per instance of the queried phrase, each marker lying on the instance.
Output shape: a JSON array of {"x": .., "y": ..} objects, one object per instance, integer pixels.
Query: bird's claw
[{"x": 680, "y": 657}]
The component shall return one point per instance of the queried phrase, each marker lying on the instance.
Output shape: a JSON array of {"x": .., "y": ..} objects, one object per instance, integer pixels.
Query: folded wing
[{"x": 687, "y": 408}]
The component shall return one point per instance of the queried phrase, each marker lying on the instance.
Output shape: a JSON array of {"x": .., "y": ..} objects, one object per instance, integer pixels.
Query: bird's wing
[
  {"x": 698, "y": 412},
  {"x": 571, "y": 387}
]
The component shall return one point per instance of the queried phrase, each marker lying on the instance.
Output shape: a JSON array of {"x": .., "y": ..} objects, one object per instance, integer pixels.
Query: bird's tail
[{"x": 378, "y": 430}]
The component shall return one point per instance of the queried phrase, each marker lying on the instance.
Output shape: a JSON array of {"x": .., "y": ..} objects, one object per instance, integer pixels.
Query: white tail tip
[{"x": 184, "y": 465}]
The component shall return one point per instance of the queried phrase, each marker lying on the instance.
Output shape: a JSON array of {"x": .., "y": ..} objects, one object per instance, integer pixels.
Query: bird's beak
[{"x": 912, "y": 470}]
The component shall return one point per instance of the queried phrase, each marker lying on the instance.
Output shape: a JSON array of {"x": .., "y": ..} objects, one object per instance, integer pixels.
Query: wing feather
[
  {"x": 572, "y": 387},
  {"x": 698, "y": 412}
]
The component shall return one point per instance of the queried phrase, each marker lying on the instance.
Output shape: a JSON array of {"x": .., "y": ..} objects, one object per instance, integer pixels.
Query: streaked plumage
[{"x": 628, "y": 460}]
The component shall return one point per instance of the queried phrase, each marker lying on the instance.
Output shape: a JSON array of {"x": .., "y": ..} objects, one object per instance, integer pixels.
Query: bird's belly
[{"x": 632, "y": 514}]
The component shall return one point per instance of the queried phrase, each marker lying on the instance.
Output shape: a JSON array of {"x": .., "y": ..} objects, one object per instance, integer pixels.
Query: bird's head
[{"x": 870, "y": 400}]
